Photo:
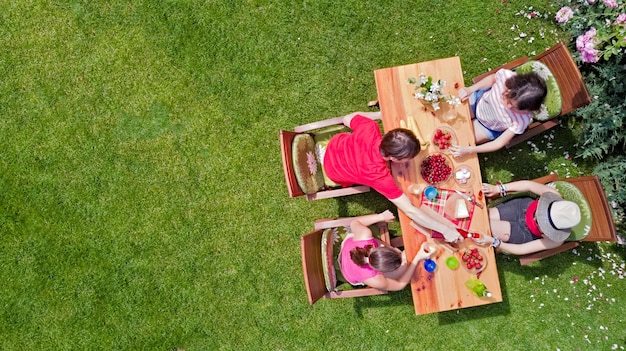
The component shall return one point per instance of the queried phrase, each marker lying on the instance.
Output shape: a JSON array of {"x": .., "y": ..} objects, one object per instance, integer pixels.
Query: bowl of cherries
[{"x": 436, "y": 168}]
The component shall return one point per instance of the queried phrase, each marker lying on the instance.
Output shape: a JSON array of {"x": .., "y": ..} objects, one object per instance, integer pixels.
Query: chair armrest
[
  {"x": 319, "y": 124},
  {"x": 332, "y": 223},
  {"x": 547, "y": 179},
  {"x": 509, "y": 65},
  {"x": 345, "y": 222}
]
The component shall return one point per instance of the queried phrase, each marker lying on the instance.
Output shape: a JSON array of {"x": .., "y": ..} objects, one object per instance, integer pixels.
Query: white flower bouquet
[{"x": 431, "y": 91}]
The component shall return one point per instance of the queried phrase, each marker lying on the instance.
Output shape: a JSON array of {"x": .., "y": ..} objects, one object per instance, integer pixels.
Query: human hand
[
  {"x": 490, "y": 190},
  {"x": 484, "y": 239},
  {"x": 426, "y": 250},
  {"x": 464, "y": 93},
  {"x": 459, "y": 151},
  {"x": 451, "y": 235},
  {"x": 387, "y": 216}
]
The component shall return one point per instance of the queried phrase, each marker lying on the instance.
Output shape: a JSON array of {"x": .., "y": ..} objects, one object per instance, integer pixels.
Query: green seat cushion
[
  {"x": 331, "y": 248},
  {"x": 322, "y": 137},
  {"x": 551, "y": 107},
  {"x": 307, "y": 170},
  {"x": 570, "y": 192}
]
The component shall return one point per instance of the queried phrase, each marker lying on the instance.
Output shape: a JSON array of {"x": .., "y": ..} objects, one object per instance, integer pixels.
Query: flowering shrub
[
  {"x": 599, "y": 27},
  {"x": 431, "y": 91}
]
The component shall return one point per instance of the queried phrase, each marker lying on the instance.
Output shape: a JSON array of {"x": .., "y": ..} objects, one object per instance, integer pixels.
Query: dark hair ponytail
[{"x": 359, "y": 255}]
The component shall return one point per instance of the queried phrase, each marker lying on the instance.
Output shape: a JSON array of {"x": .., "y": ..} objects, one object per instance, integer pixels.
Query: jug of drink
[{"x": 477, "y": 287}]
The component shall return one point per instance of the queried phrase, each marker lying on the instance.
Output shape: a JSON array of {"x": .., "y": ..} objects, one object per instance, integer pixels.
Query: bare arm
[
  {"x": 530, "y": 247},
  {"x": 494, "y": 145},
  {"x": 359, "y": 226},
  {"x": 390, "y": 284},
  {"x": 484, "y": 83},
  {"x": 418, "y": 216},
  {"x": 521, "y": 249},
  {"x": 520, "y": 185},
  {"x": 347, "y": 119}
]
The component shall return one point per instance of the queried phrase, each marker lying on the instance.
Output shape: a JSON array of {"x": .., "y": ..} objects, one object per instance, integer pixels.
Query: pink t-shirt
[
  {"x": 491, "y": 112},
  {"x": 354, "y": 273},
  {"x": 354, "y": 158}
]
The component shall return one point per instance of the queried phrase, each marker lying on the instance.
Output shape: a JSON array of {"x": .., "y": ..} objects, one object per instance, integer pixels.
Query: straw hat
[{"x": 556, "y": 216}]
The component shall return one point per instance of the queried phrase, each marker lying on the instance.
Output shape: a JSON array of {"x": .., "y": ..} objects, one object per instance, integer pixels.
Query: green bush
[{"x": 598, "y": 32}]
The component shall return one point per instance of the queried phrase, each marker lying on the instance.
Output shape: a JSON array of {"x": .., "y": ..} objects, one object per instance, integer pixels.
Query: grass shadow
[
  {"x": 478, "y": 312},
  {"x": 545, "y": 151},
  {"x": 552, "y": 266},
  {"x": 391, "y": 299}
]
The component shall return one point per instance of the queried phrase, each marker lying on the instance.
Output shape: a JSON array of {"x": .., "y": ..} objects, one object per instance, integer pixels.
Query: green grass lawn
[{"x": 142, "y": 198}]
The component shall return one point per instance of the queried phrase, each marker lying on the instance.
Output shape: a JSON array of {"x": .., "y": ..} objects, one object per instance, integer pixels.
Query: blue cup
[
  {"x": 429, "y": 265},
  {"x": 430, "y": 192}
]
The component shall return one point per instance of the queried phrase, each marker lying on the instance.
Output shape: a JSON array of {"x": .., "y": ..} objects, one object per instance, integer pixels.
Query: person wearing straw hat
[{"x": 525, "y": 225}]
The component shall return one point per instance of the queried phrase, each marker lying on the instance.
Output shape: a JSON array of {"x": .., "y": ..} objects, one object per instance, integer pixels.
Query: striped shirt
[{"x": 492, "y": 113}]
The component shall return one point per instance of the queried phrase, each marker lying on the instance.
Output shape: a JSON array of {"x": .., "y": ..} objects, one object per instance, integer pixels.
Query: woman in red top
[{"x": 364, "y": 156}]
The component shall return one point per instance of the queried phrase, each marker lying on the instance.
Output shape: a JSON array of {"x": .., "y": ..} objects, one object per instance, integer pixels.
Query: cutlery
[{"x": 469, "y": 198}]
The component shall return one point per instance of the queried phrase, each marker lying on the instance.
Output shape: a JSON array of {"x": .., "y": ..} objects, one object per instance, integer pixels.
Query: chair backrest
[
  {"x": 286, "y": 140},
  {"x": 574, "y": 93},
  {"x": 312, "y": 265},
  {"x": 602, "y": 225}
]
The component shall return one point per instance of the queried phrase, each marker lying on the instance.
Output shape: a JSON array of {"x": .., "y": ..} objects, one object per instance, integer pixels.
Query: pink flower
[
  {"x": 564, "y": 14},
  {"x": 586, "y": 45},
  {"x": 311, "y": 163},
  {"x": 621, "y": 19},
  {"x": 610, "y": 3}
]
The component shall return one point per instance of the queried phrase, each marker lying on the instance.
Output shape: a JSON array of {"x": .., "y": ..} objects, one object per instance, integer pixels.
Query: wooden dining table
[{"x": 444, "y": 288}]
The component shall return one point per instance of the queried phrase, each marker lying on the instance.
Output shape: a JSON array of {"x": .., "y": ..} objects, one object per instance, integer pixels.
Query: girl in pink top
[
  {"x": 364, "y": 260},
  {"x": 503, "y": 104}
]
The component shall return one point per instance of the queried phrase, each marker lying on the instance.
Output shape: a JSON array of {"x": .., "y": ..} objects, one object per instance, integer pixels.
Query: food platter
[
  {"x": 464, "y": 175},
  {"x": 436, "y": 168},
  {"x": 473, "y": 259},
  {"x": 443, "y": 137}
]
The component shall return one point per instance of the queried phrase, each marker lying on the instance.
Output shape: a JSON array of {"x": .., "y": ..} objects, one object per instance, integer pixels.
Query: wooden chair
[
  {"x": 574, "y": 93},
  {"x": 319, "y": 249},
  {"x": 287, "y": 151},
  {"x": 602, "y": 225}
]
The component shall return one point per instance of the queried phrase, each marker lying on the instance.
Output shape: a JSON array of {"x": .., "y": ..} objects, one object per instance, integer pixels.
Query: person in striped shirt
[{"x": 502, "y": 104}]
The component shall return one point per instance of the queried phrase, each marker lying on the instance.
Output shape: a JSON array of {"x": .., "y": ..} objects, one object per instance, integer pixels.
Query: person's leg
[
  {"x": 500, "y": 229},
  {"x": 514, "y": 213},
  {"x": 481, "y": 134}
]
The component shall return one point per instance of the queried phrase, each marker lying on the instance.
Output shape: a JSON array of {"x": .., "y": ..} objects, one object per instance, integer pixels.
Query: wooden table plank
[{"x": 444, "y": 289}]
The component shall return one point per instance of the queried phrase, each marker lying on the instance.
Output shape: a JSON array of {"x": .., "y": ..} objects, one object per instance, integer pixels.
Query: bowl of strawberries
[
  {"x": 436, "y": 168},
  {"x": 443, "y": 138},
  {"x": 473, "y": 259}
]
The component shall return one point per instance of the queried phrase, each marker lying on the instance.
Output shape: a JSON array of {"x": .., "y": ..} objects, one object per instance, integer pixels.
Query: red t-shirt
[{"x": 354, "y": 158}]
